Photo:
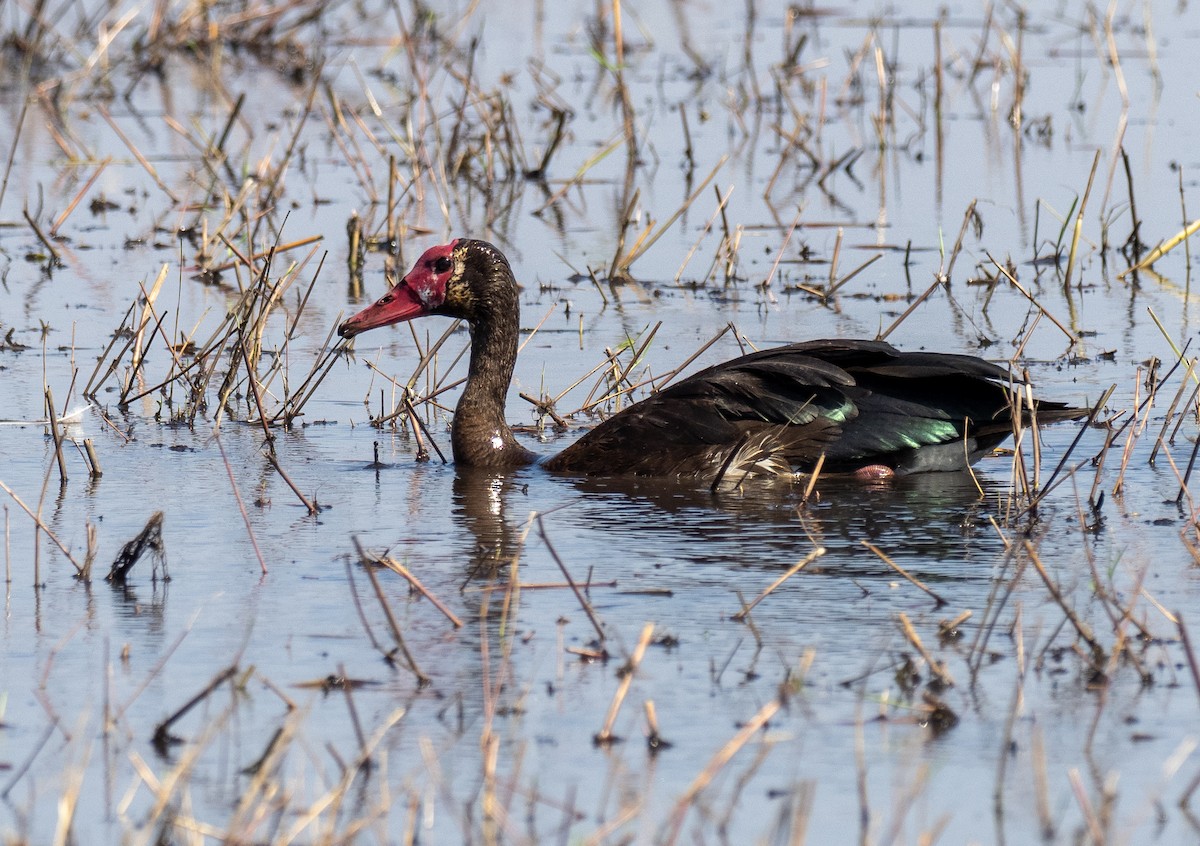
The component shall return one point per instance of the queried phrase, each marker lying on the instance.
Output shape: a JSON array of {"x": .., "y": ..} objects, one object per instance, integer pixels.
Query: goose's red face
[{"x": 422, "y": 291}]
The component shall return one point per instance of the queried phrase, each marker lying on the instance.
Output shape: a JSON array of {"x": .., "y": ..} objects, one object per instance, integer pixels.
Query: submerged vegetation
[{"x": 385, "y": 650}]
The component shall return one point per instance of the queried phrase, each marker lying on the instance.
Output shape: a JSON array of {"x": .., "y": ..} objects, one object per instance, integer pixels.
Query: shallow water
[{"x": 498, "y": 747}]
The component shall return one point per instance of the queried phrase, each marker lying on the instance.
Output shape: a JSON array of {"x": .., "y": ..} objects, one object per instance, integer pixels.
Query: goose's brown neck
[{"x": 480, "y": 434}]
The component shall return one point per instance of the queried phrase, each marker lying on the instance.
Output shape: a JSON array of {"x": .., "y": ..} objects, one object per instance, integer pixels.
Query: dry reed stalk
[
  {"x": 718, "y": 761},
  {"x": 362, "y": 616},
  {"x": 841, "y": 282},
  {"x": 43, "y": 527},
  {"x": 937, "y": 283},
  {"x": 322, "y": 364},
  {"x": 1032, "y": 300},
  {"x": 62, "y": 218},
  {"x": 1077, "y": 232},
  {"x": 1187, "y": 651},
  {"x": 56, "y": 435},
  {"x": 331, "y": 801},
  {"x": 269, "y": 254},
  {"x": 793, "y": 570},
  {"x": 1167, "y": 418},
  {"x": 137, "y": 154},
  {"x": 968, "y": 217},
  {"x": 398, "y": 568},
  {"x": 587, "y": 606},
  {"x": 833, "y": 259},
  {"x": 626, "y": 674},
  {"x": 68, "y": 800},
  {"x": 617, "y": 374},
  {"x": 422, "y": 679},
  {"x": 256, "y": 796},
  {"x": 545, "y": 586},
  {"x": 162, "y": 738},
  {"x": 1081, "y": 628},
  {"x": 137, "y": 357},
  {"x": 883, "y": 556},
  {"x": 309, "y": 505},
  {"x": 654, "y": 739},
  {"x": 1053, "y": 481},
  {"x": 1095, "y": 829},
  {"x": 937, "y": 668},
  {"x": 87, "y": 392},
  {"x": 55, "y": 256},
  {"x": 622, "y": 263},
  {"x": 241, "y": 505}
]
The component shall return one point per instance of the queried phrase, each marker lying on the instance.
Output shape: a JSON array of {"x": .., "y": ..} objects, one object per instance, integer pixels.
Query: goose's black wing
[{"x": 859, "y": 403}]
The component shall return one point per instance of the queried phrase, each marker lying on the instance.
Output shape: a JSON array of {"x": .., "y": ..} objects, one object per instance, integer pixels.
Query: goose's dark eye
[{"x": 442, "y": 265}]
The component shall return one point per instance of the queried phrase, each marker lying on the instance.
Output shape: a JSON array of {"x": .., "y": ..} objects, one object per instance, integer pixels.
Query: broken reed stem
[
  {"x": 1081, "y": 628},
  {"x": 812, "y": 480},
  {"x": 606, "y": 736},
  {"x": 55, "y": 258},
  {"x": 422, "y": 679},
  {"x": 137, "y": 154},
  {"x": 1050, "y": 482},
  {"x": 796, "y": 568},
  {"x": 968, "y": 216},
  {"x": 79, "y": 195},
  {"x": 93, "y": 460},
  {"x": 888, "y": 561},
  {"x": 355, "y": 723},
  {"x": 241, "y": 505},
  {"x": 882, "y": 336},
  {"x": 1033, "y": 301},
  {"x": 1187, "y": 650},
  {"x": 587, "y": 606},
  {"x": 937, "y": 668},
  {"x": 1078, "y": 233},
  {"x": 398, "y": 568},
  {"x": 305, "y": 501},
  {"x": 38, "y": 520},
  {"x": 835, "y": 288},
  {"x": 714, "y": 766},
  {"x": 56, "y": 434},
  {"x": 270, "y": 252},
  {"x": 1162, "y": 249},
  {"x": 623, "y": 264},
  {"x": 162, "y": 737},
  {"x": 1095, "y": 828}
]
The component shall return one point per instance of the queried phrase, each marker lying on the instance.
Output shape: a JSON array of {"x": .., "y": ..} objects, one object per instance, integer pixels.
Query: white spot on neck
[{"x": 497, "y": 441}]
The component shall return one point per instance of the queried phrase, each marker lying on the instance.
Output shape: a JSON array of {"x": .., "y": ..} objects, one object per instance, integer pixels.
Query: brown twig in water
[
  {"x": 587, "y": 606},
  {"x": 1078, "y": 232},
  {"x": 241, "y": 505},
  {"x": 422, "y": 679},
  {"x": 626, "y": 673},
  {"x": 793, "y": 570},
  {"x": 162, "y": 737},
  {"x": 714, "y": 766},
  {"x": 882, "y": 336},
  {"x": 883, "y": 556},
  {"x": 937, "y": 668},
  {"x": 38, "y": 520},
  {"x": 1187, "y": 650},
  {"x": 1081, "y": 628},
  {"x": 55, "y": 258},
  {"x": 56, "y": 434},
  {"x": 1033, "y": 301},
  {"x": 305, "y": 501},
  {"x": 398, "y": 568}
]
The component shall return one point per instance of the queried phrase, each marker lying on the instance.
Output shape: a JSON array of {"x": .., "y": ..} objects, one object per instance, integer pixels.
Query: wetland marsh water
[{"x": 879, "y": 123}]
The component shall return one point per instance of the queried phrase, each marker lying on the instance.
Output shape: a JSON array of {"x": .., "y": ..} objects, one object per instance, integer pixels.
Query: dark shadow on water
[{"x": 920, "y": 520}]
